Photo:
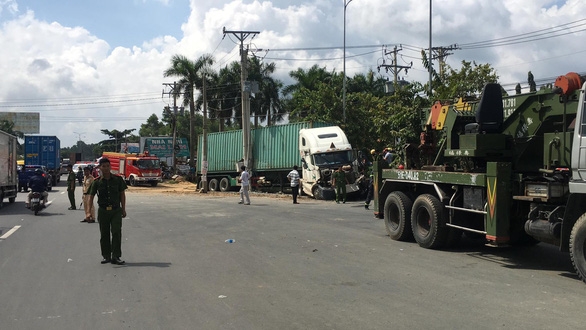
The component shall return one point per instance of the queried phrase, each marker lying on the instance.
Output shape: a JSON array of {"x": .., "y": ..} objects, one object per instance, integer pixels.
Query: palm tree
[
  {"x": 266, "y": 103},
  {"x": 191, "y": 75}
]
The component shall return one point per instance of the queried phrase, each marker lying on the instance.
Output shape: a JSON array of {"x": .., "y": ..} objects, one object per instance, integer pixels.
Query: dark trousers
[
  {"x": 71, "y": 195},
  {"x": 110, "y": 222},
  {"x": 370, "y": 193},
  {"x": 341, "y": 193},
  {"x": 295, "y": 192}
]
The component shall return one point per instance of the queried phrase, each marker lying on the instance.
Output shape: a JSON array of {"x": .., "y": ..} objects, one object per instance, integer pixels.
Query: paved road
[{"x": 316, "y": 265}]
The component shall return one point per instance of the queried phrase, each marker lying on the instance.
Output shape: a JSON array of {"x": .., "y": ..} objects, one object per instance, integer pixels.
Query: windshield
[
  {"x": 148, "y": 164},
  {"x": 331, "y": 159}
]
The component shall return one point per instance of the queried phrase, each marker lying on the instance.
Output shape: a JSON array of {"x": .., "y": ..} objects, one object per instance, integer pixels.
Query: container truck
[
  {"x": 136, "y": 168},
  {"x": 509, "y": 170},
  {"x": 316, "y": 148},
  {"x": 8, "y": 168},
  {"x": 45, "y": 151}
]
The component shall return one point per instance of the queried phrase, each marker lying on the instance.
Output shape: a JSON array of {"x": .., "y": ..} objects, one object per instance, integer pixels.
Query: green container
[{"x": 274, "y": 148}]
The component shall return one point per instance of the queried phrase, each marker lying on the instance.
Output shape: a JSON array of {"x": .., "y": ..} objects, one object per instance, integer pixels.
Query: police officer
[
  {"x": 340, "y": 182},
  {"x": 111, "y": 209},
  {"x": 71, "y": 187}
]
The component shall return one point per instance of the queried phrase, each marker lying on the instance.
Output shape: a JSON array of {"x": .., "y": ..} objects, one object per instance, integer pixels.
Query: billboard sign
[
  {"x": 163, "y": 146},
  {"x": 25, "y": 122}
]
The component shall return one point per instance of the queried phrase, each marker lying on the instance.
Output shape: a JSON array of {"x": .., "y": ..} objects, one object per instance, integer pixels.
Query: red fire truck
[{"x": 136, "y": 168}]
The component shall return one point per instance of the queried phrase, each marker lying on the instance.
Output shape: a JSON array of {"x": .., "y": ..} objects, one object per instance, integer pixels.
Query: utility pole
[
  {"x": 394, "y": 67},
  {"x": 242, "y": 35},
  {"x": 441, "y": 53},
  {"x": 204, "y": 153},
  {"x": 175, "y": 92}
]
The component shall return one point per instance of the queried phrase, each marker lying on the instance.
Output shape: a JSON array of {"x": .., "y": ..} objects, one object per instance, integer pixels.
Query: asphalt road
[{"x": 316, "y": 265}]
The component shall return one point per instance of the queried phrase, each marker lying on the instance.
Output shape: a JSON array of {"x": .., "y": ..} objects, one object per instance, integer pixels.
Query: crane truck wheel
[
  {"x": 578, "y": 247},
  {"x": 397, "y": 214},
  {"x": 213, "y": 185},
  {"x": 132, "y": 181},
  {"x": 224, "y": 185},
  {"x": 427, "y": 222}
]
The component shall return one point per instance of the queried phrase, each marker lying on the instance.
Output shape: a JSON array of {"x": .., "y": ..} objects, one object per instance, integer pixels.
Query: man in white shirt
[
  {"x": 245, "y": 186},
  {"x": 293, "y": 177}
]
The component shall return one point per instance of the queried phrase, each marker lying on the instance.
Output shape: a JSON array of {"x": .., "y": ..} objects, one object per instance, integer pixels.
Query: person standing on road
[
  {"x": 293, "y": 177},
  {"x": 90, "y": 211},
  {"x": 245, "y": 186},
  {"x": 340, "y": 181},
  {"x": 71, "y": 186},
  {"x": 111, "y": 209}
]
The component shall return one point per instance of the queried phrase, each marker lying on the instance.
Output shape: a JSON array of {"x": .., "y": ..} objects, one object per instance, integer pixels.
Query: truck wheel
[
  {"x": 397, "y": 213},
  {"x": 154, "y": 183},
  {"x": 225, "y": 185},
  {"x": 317, "y": 192},
  {"x": 427, "y": 221},
  {"x": 213, "y": 185},
  {"x": 132, "y": 181},
  {"x": 578, "y": 247},
  {"x": 11, "y": 200}
]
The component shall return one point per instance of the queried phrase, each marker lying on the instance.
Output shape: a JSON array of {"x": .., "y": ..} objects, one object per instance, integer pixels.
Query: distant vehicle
[
  {"x": 28, "y": 171},
  {"x": 64, "y": 164},
  {"x": 44, "y": 150},
  {"x": 136, "y": 168},
  {"x": 8, "y": 168}
]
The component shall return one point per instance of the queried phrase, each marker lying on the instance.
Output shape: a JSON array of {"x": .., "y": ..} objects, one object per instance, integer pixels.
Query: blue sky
[
  {"x": 87, "y": 65},
  {"x": 124, "y": 23}
]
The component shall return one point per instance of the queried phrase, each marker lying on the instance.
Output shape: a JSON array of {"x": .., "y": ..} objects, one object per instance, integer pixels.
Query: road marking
[{"x": 10, "y": 232}]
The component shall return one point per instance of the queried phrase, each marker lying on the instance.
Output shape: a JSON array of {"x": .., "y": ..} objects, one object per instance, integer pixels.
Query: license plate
[{"x": 35, "y": 200}]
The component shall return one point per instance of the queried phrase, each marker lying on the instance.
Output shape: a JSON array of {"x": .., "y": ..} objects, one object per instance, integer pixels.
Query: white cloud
[{"x": 55, "y": 64}]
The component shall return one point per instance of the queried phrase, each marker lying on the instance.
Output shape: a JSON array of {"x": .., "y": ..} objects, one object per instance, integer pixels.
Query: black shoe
[
  {"x": 366, "y": 206},
  {"x": 117, "y": 261},
  {"x": 84, "y": 220},
  {"x": 71, "y": 208},
  {"x": 105, "y": 261}
]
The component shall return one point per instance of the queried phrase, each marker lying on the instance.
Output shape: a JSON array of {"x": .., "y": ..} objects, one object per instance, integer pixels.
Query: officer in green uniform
[
  {"x": 71, "y": 186},
  {"x": 340, "y": 183},
  {"x": 111, "y": 209}
]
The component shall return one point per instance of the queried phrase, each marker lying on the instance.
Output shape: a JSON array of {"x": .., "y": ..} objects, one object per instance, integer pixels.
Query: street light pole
[{"x": 346, "y": 3}]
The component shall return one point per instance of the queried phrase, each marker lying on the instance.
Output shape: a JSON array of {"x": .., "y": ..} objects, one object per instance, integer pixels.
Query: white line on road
[{"x": 10, "y": 232}]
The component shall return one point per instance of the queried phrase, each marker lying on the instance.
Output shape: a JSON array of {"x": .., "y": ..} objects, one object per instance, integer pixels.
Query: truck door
[{"x": 579, "y": 143}]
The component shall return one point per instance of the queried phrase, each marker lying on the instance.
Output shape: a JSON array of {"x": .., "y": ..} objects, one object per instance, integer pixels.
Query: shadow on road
[{"x": 147, "y": 264}]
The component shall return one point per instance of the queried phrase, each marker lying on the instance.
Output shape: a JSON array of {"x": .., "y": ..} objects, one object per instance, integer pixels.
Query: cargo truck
[
  {"x": 8, "y": 168},
  {"x": 136, "y": 168},
  {"x": 45, "y": 151},
  {"x": 316, "y": 148},
  {"x": 508, "y": 170}
]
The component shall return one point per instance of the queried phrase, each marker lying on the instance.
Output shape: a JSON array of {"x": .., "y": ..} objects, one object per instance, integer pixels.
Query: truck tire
[
  {"x": 213, "y": 185},
  {"x": 578, "y": 247},
  {"x": 427, "y": 222},
  {"x": 132, "y": 181},
  {"x": 11, "y": 200},
  {"x": 225, "y": 185},
  {"x": 317, "y": 192},
  {"x": 397, "y": 212},
  {"x": 154, "y": 183}
]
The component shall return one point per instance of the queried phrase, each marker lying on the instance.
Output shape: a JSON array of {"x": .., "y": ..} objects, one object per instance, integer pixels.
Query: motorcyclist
[{"x": 37, "y": 183}]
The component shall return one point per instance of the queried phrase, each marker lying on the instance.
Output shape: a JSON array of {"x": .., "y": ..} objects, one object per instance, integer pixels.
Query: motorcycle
[{"x": 37, "y": 203}]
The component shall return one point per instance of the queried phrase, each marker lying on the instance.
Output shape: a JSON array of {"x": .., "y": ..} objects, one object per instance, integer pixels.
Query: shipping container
[{"x": 44, "y": 150}]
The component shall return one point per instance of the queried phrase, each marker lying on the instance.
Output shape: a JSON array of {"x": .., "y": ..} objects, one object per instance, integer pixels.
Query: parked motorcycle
[{"x": 37, "y": 203}]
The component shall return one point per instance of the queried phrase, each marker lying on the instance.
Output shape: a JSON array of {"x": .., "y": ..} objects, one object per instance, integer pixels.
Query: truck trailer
[
  {"x": 316, "y": 148},
  {"x": 45, "y": 151},
  {"x": 136, "y": 168},
  {"x": 510, "y": 170},
  {"x": 8, "y": 168}
]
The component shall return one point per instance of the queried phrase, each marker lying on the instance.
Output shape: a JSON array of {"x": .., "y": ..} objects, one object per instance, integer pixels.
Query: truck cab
[{"x": 322, "y": 151}]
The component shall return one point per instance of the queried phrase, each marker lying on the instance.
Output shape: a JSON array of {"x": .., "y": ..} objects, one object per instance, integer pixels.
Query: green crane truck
[{"x": 511, "y": 170}]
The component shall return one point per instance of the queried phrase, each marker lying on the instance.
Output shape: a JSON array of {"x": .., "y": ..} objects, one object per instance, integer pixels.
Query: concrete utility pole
[
  {"x": 440, "y": 53},
  {"x": 175, "y": 92},
  {"x": 204, "y": 152},
  {"x": 346, "y": 3},
  {"x": 242, "y": 35},
  {"x": 394, "y": 67}
]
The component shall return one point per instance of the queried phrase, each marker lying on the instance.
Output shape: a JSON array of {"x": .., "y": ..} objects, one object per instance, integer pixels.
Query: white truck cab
[{"x": 322, "y": 151}]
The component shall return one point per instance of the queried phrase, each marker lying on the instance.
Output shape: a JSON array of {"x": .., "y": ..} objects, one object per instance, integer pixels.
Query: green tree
[
  {"x": 153, "y": 127},
  {"x": 266, "y": 104},
  {"x": 191, "y": 78},
  {"x": 115, "y": 137}
]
